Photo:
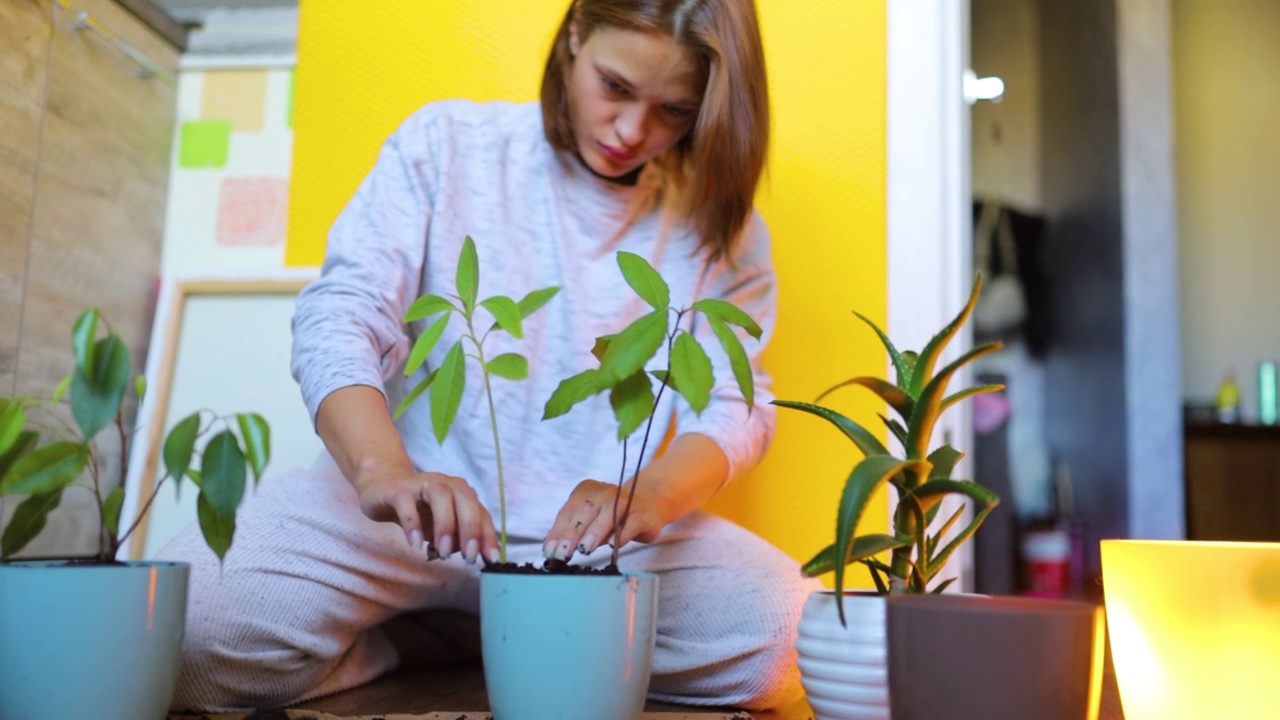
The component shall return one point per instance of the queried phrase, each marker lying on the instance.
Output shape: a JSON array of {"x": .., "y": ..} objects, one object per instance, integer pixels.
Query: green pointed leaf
[
  {"x": 572, "y": 391},
  {"x": 725, "y": 311},
  {"x": 218, "y": 528},
  {"x": 665, "y": 378},
  {"x": 632, "y": 402},
  {"x": 942, "y": 587},
  {"x": 423, "y": 346},
  {"x": 968, "y": 393},
  {"x": 909, "y": 359},
  {"x": 983, "y": 497},
  {"x": 691, "y": 369},
  {"x": 468, "y": 277},
  {"x": 96, "y": 396},
  {"x": 929, "y": 403},
  {"x": 875, "y": 571},
  {"x": 28, "y": 520},
  {"x": 13, "y": 418},
  {"x": 942, "y": 531},
  {"x": 257, "y": 441},
  {"x": 923, "y": 370},
  {"x": 223, "y": 473},
  {"x": 426, "y": 306},
  {"x": 139, "y": 386},
  {"x": 900, "y": 364},
  {"x": 27, "y": 440},
  {"x": 646, "y": 281},
  {"x": 896, "y": 428},
  {"x": 866, "y": 442},
  {"x": 863, "y": 547},
  {"x": 738, "y": 361},
  {"x": 634, "y": 346},
  {"x": 446, "y": 392},
  {"x": 194, "y": 476},
  {"x": 111, "y": 512},
  {"x": 866, "y": 478},
  {"x": 944, "y": 461},
  {"x": 416, "y": 392},
  {"x": 529, "y": 304},
  {"x": 601, "y": 346},
  {"x": 83, "y": 335},
  {"x": 506, "y": 313},
  {"x": 45, "y": 469},
  {"x": 178, "y": 447},
  {"x": 512, "y": 366},
  {"x": 891, "y": 394},
  {"x": 61, "y": 391}
]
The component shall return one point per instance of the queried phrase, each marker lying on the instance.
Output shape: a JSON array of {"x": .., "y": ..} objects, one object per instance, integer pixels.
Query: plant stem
[
  {"x": 497, "y": 446},
  {"x": 143, "y": 512},
  {"x": 113, "y": 536}
]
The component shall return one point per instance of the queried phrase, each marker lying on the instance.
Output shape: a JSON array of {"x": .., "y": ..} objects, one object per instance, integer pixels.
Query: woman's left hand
[{"x": 586, "y": 520}]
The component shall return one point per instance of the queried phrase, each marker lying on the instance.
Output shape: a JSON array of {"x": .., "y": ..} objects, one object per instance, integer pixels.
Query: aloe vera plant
[
  {"x": 921, "y": 477},
  {"x": 448, "y": 381},
  {"x": 623, "y": 358},
  {"x": 96, "y": 391}
]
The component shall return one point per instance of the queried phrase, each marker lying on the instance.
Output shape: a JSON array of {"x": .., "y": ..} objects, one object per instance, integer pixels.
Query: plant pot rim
[
  {"x": 566, "y": 576},
  {"x": 64, "y": 563},
  {"x": 1207, "y": 544}
]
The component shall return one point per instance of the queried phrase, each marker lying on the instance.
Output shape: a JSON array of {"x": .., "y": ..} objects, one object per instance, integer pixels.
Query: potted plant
[{"x": 95, "y": 636}]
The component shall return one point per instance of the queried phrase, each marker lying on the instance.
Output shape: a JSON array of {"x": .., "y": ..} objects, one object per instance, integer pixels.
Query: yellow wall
[{"x": 362, "y": 69}]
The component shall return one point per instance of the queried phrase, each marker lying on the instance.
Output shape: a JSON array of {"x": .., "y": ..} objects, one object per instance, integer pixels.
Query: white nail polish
[
  {"x": 588, "y": 544},
  {"x": 494, "y": 556},
  {"x": 415, "y": 540},
  {"x": 562, "y": 552},
  {"x": 549, "y": 549},
  {"x": 446, "y": 546},
  {"x": 473, "y": 549}
]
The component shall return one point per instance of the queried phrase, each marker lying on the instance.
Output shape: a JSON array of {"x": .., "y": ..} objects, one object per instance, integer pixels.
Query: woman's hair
[{"x": 709, "y": 177}]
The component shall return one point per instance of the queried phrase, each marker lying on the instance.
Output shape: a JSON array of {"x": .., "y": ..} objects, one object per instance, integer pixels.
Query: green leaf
[
  {"x": 28, "y": 520},
  {"x": 45, "y": 469},
  {"x": 632, "y": 402},
  {"x": 468, "y": 277},
  {"x": 426, "y": 306},
  {"x": 738, "y": 361},
  {"x": 601, "y": 346},
  {"x": 646, "y": 281},
  {"x": 929, "y": 403},
  {"x": 222, "y": 473},
  {"x": 194, "y": 475},
  {"x": 423, "y": 346},
  {"x": 896, "y": 428},
  {"x": 863, "y": 547},
  {"x": 506, "y": 313},
  {"x": 96, "y": 395},
  {"x": 257, "y": 441},
  {"x": 572, "y": 391},
  {"x": 512, "y": 366},
  {"x": 178, "y": 447},
  {"x": 875, "y": 571},
  {"x": 27, "y": 439},
  {"x": 416, "y": 392},
  {"x": 61, "y": 391},
  {"x": 968, "y": 393},
  {"x": 942, "y": 531},
  {"x": 923, "y": 369},
  {"x": 111, "y": 511},
  {"x": 446, "y": 392},
  {"x": 634, "y": 346},
  {"x": 900, "y": 364},
  {"x": 139, "y": 386},
  {"x": 944, "y": 461},
  {"x": 725, "y": 311},
  {"x": 942, "y": 587},
  {"x": 217, "y": 528},
  {"x": 530, "y": 303},
  {"x": 12, "y": 421},
  {"x": 890, "y": 393},
  {"x": 691, "y": 369},
  {"x": 985, "y": 499},
  {"x": 83, "y": 333},
  {"x": 866, "y": 478},
  {"x": 866, "y": 442}
]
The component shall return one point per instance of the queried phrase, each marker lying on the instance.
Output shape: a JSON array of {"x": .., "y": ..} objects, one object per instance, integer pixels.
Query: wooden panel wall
[{"x": 95, "y": 208}]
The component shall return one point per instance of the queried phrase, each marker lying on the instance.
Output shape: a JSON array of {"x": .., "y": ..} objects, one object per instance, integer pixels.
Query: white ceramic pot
[
  {"x": 567, "y": 647},
  {"x": 90, "y": 641},
  {"x": 844, "y": 669}
]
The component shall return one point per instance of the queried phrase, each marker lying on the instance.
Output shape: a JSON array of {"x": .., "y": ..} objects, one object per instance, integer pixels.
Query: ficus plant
[
  {"x": 43, "y": 469},
  {"x": 448, "y": 381},
  {"x": 921, "y": 477},
  {"x": 622, "y": 372}
]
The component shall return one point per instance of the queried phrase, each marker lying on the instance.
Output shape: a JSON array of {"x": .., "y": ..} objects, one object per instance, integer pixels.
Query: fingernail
[
  {"x": 446, "y": 546},
  {"x": 431, "y": 552},
  {"x": 415, "y": 540},
  {"x": 588, "y": 543},
  {"x": 562, "y": 551},
  {"x": 494, "y": 556},
  {"x": 473, "y": 549},
  {"x": 549, "y": 549}
]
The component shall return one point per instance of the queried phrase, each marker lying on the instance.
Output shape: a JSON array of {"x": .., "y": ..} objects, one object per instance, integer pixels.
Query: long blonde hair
[{"x": 709, "y": 177}]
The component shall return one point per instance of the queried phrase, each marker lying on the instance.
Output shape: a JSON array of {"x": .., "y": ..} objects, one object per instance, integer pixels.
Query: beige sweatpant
[{"x": 298, "y": 608}]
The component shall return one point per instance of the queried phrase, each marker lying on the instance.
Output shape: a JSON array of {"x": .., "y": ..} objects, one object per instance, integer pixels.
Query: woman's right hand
[{"x": 431, "y": 505}]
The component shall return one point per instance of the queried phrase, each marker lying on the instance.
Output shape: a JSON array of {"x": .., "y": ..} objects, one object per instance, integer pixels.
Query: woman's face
[{"x": 632, "y": 95}]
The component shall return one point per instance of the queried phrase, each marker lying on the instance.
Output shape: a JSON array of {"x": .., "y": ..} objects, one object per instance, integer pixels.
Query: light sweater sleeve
[
  {"x": 347, "y": 326},
  {"x": 751, "y": 285}
]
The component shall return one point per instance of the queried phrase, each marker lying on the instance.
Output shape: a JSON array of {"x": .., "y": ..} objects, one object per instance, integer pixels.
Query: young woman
[{"x": 650, "y": 136}]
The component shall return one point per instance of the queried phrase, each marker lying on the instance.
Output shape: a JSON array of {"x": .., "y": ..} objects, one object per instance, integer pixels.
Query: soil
[{"x": 550, "y": 567}]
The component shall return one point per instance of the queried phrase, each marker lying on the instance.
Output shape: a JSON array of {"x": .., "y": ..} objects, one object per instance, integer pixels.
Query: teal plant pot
[
  {"x": 91, "y": 641},
  {"x": 567, "y": 647}
]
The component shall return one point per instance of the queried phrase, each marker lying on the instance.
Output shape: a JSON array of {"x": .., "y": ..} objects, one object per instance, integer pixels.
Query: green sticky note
[{"x": 204, "y": 144}]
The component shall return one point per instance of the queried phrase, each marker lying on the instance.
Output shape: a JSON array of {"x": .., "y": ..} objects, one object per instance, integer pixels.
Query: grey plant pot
[
  {"x": 971, "y": 657},
  {"x": 90, "y": 641}
]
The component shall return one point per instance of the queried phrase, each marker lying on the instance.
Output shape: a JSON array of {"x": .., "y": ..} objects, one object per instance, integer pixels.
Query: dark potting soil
[
  {"x": 550, "y": 567},
  {"x": 268, "y": 714}
]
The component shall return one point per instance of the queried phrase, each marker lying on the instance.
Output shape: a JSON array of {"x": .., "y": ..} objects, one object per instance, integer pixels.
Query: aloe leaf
[
  {"x": 512, "y": 366},
  {"x": 45, "y": 469},
  {"x": 944, "y": 461},
  {"x": 423, "y": 346},
  {"x": 634, "y": 346},
  {"x": 178, "y": 447},
  {"x": 968, "y": 393},
  {"x": 446, "y": 392},
  {"x": 900, "y": 365},
  {"x": 632, "y": 402},
  {"x": 83, "y": 334},
  {"x": 218, "y": 528},
  {"x": 890, "y": 393},
  {"x": 929, "y": 403},
  {"x": 646, "y": 281},
  {"x": 426, "y": 306},
  {"x": 506, "y": 313},
  {"x": 896, "y": 428},
  {"x": 942, "y": 531},
  {"x": 572, "y": 391},
  {"x": 932, "y": 351},
  {"x": 222, "y": 473},
  {"x": 96, "y": 391},
  {"x": 529, "y": 304},
  {"x": 468, "y": 275},
  {"x": 28, "y": 520},
  {"x": 415, "y": 393},
  {"x": 691, "y": 369},
  {"x": 863, "y": 547},
  {"x": 881, "y": 587},
  {"x": 257, "y": 441},
  {"x": 727, "y": 312},
  {"x": 111, "y": 512},
  {"x": 942, "y": 557},
  {"x": 866, "y": 442},
  {"x": 13, "y": 418},
  {"x": 738, "y": 360},
  {"x": 942, "y": 586}
]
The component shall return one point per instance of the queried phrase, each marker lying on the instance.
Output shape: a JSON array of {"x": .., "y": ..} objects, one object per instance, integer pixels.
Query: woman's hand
[
  {"x": 431, "y": 505},
  {"x": 586, "y": 520}
]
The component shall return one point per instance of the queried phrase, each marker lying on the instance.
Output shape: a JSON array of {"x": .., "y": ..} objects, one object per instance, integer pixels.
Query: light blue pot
[
  {"x": 90, "y": 641},
  {"x": 567, "y": 647}
]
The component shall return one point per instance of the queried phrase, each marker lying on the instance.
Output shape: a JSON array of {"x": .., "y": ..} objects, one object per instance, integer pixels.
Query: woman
[{"x": 650, "y": 137}]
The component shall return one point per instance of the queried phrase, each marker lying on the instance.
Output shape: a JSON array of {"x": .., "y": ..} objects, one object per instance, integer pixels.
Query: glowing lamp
[{"x": 1195, "y": 627}]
